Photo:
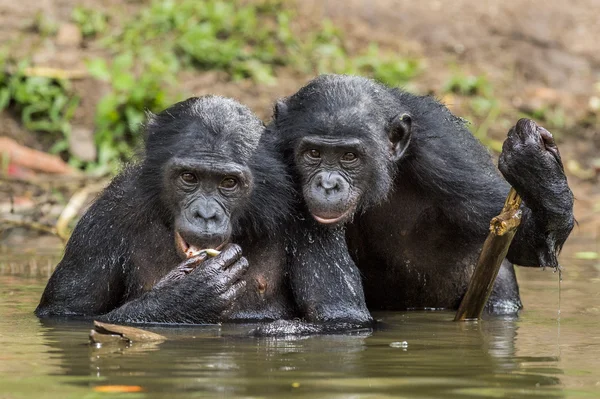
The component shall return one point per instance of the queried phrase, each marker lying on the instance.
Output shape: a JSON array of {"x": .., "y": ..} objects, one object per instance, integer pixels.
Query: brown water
[{"x": 541, "y": 354}]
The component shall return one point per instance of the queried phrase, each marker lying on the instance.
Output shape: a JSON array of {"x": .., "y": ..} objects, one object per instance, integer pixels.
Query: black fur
[
  {"x": 122, "y": 264},
  {"x": 428, "y": 193}
]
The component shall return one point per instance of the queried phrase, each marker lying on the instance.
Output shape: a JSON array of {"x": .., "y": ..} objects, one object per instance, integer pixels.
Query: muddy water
[{"x": 540, "y": 354}]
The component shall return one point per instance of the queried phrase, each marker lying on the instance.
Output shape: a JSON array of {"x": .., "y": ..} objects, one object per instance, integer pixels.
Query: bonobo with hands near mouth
[
  {"x": 205, "y": 182},
  {"x": 396, "y": 176}
]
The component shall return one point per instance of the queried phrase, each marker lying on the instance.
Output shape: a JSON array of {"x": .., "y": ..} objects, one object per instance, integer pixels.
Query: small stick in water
[
  {"x": 104, "y": 333},
  {"x": 502, "y": 230}
]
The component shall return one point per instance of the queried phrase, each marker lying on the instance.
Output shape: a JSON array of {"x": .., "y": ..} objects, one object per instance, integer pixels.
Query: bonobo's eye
[
  {"x": 189, "y": 178},
  {"x": 349, "y": 157},
  {"x": 229, "y": 183},
  {"x": 313, "y": 154}
]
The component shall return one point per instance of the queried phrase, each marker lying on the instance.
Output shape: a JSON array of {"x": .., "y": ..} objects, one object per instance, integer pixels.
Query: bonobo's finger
[
  {"x": 228, "y": 256},
  {"x": 546, "y": 136},
  {"x": 229, "y": 297},
  {"x": 527, "y": 135},
  {"x": 181, "y": 271},
  {"x": 238, "y": 269},
  {"x": 234, "y": 291},
  {"x": 524, "y": 131},
  {"x": 525, "y": 127},
  {"x": 191, "y": 263},
  {"x": 549, "y": 144}
]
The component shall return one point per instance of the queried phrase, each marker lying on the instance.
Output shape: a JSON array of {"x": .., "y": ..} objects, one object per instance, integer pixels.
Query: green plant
[
  {"x": 91, "y": 22},
  {"x": 468, "y": 85},
  {"x": 251, "y": 40},
  {"x": 44, "y": 24},
  {"x": 43, "y": 104},
  {"x": 394, "y": 71},
  {"x": 246, "y": 40},
  {"x": 120, "y": 113}
]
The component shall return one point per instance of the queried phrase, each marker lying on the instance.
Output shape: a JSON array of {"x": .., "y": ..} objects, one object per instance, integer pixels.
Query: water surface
[{"x": 540, "y": 354}]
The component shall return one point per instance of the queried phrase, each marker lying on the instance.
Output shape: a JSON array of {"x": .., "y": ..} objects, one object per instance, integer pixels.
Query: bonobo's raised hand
[
  {"x": 531, "y": 163},
  {"x": 200, "y": 290}
]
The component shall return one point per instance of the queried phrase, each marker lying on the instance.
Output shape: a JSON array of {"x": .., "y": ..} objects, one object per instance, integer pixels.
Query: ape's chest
[{"x": 267, "y": 295}]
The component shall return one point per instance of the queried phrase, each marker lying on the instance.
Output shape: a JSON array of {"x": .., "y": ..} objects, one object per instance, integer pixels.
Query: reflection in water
[
  {"x": 412, "y": 355},
  {"x": 441, "y": 358}
]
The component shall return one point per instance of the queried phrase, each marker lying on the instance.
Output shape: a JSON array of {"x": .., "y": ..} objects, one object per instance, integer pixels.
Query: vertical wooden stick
[{"x": 502, "y": 230}]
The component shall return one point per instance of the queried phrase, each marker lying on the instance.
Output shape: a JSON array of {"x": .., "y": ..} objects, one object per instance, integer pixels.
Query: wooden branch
[
  {"x": 32, "y": 159},
  {"x": 502, "y": 230},
  {"x": 30, "y": 225},
  {"x": 71, "y": 210},
  {"x": 56, "y": 73}
]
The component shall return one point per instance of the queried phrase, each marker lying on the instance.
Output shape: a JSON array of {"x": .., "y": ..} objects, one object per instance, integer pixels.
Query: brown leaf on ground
[{"x": 19, "y": 155}]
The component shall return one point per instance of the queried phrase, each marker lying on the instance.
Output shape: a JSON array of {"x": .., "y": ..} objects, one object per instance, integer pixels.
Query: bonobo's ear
[
  {"x": 280, "y": 109},
  {"x": 399, "y": 134}
]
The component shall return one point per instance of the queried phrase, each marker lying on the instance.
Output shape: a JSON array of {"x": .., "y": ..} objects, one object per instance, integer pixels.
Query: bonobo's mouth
[
  {"x": 330, "y": 218},
  {"x": 187, "y": 250}
]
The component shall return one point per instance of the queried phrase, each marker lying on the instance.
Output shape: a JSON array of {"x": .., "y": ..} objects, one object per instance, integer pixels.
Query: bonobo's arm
[
  {"x": 97, "y": 273},
  {"x": 326, "y": 283},
  {"x": 199, "y": 291},
  {"x": 91, "y": 277},
  {"x": 531, "y": 163}
]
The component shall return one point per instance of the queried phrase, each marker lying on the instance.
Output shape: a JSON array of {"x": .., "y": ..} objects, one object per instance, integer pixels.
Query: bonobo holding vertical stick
[
  {"x": 139, "y": 255},
  {"x": 417, "y": 191}
]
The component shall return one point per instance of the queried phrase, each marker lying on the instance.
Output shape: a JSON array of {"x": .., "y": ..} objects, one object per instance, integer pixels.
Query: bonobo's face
[
  {"x": 346, "y": 136},
  {"x": 333, "y": 176},
  {"x": 206, "y": 193}
]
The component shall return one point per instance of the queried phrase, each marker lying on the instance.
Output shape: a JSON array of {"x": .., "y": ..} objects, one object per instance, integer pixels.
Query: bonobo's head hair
[
  {"x": 207, "y": 166},
  {"x": 344, "y": 135}
]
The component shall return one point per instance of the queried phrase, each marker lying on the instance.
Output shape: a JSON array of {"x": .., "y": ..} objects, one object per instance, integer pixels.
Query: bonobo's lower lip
[
  {"x": 187, "y": 250},
  {"x": 327, "y": 220}
]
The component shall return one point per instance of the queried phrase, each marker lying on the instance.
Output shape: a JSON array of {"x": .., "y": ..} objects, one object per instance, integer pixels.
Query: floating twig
[{"x": 104, "y": 333}]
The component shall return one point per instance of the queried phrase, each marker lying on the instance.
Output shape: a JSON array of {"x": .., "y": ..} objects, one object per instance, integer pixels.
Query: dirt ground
[{"x": 531, "y": 50}]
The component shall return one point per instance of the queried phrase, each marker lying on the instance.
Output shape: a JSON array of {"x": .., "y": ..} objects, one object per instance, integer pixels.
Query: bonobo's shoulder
[
  {"x": 122, "y": 184},
  {"x": 269, "y": 207},
  {"x": 119, "y": 194}
]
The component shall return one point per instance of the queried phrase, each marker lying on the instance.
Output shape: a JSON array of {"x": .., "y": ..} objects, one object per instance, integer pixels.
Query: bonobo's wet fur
[
  {"x": 434, "y": 185},
  {"x": 125, "y": 243}
]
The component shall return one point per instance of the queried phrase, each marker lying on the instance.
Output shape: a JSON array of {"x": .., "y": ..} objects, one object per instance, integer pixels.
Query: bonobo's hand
[
  {"x": 198, "y": 291},
  {"x": 208, "y": 286},
  {"x": 184, "y": 268},
  {"x": 531, "y": 163}
]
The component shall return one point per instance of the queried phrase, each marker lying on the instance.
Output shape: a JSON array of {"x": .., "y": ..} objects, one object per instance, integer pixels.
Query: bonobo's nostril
[
  {"x": 329, "y": 183},
  {"x": 207, "y": 211}
]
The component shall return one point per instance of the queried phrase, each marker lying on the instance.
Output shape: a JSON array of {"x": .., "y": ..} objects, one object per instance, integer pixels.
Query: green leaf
[
  {"x": 124, "y": 81},
  {"x": 587, "y": 255},
  {"x": 98, "y": 68},
  {"x": 4, "y": 97}
]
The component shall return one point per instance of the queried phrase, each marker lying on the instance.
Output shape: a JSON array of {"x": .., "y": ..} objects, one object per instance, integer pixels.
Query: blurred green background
[{"x": 77, "y": 76}]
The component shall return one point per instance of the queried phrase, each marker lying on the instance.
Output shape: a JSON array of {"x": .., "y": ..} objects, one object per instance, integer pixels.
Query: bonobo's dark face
[
  {"x": 199, "y": 163},
  {"x": 333, "y": 179},
  {"x": 344, "y": 137},
  {"x": 206, "y": 193}
]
